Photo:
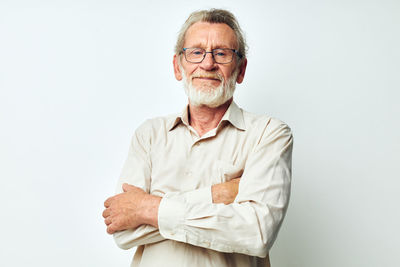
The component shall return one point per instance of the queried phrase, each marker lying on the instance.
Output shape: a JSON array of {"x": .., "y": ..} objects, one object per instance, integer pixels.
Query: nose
[{"x": 208, "y": 62}]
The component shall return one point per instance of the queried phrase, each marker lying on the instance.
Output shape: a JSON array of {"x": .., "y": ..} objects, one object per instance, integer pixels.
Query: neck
[{"x": 204, "y": 119}]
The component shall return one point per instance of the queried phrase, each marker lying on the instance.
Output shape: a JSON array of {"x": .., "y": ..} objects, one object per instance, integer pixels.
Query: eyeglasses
[{"x": 220, "y": 55}]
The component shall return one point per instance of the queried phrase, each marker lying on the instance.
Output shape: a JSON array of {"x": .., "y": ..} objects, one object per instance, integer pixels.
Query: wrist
[
  {"x": 150, "y": 210},
  {"x": 215, "y": 193}
]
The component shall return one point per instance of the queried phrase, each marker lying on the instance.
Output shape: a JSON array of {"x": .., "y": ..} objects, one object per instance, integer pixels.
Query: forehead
[{"x": 210, "y": 35}]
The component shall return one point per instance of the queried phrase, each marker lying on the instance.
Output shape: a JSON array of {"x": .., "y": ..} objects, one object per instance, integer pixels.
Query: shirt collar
[
  {"x": 234, "y": 115},
  {"x": 183, "y": 117}
]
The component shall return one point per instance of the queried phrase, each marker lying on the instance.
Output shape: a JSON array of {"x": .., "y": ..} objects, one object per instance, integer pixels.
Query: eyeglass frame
[{"x": 212, "y": 54}]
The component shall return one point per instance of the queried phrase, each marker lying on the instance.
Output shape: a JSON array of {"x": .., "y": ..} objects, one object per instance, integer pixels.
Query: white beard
[{"x": 209, "y": 96}]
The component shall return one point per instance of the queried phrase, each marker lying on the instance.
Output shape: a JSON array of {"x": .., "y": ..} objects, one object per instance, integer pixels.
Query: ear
[
  {"x": 177, "y": 70},
  {"x": 242, "y": 71}
]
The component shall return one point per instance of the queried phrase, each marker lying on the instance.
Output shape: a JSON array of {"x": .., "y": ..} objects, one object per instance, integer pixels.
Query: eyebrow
[{"x": 213, "y": 47}]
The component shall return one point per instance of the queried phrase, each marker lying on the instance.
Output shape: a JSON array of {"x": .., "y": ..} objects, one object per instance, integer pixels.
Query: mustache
[{"x": 211, "y": 75}]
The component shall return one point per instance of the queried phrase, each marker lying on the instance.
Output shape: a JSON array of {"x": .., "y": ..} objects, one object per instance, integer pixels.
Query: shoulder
[
  {"x": 264, "y": 123},
  {"x": 156, "y": 125},
  {"x": 267, "y": 131}
]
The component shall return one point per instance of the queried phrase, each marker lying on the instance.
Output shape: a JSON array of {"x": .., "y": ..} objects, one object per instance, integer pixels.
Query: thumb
[{"x": 127, "y": 187}]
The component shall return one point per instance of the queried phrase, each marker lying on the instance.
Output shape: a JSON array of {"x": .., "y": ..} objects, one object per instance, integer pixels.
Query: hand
[
  {"x": 225, "y": 192},
  {"x": 130, "y": 209}
]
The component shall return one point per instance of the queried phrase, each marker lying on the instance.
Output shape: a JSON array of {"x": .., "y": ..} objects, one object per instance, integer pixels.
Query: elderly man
[{"x": 209, "y": 186}]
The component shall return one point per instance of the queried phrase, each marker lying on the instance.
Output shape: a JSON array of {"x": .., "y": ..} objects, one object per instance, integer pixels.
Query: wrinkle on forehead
[{"x": 210, "y": 35}]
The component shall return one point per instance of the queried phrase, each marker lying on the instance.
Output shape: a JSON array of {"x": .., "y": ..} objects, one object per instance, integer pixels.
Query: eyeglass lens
[{"x": 221, "y": 55}]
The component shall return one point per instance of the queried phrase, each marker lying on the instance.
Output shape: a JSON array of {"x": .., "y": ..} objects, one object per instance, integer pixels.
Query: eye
[
  {"x": 197, "y": 52},
  {"x": 221, "y": 52}
]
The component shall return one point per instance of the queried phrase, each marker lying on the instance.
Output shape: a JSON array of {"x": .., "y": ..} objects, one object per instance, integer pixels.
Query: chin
[{"x": 208, "y": 95}]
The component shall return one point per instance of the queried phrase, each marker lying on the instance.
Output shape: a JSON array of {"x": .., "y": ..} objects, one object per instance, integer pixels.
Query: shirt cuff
[
  {"x": 171, "y": 214},
  {"x": 202, "y": 195}
]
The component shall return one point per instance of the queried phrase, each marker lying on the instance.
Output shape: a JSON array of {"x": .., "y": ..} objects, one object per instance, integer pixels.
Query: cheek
[
  {"x": 227, "y": 73},
  {"x": 189, "y": 68},
  {"x": 192, "y": 70}
]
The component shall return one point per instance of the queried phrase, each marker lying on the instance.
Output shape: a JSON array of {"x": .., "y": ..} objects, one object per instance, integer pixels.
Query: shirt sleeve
[
  {"x": 137, "y": 172},
  {"x": 250, "y": 224}
]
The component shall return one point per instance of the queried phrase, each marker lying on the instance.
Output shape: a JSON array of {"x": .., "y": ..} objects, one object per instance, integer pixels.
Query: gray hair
[{"x": 213, "y": 16}]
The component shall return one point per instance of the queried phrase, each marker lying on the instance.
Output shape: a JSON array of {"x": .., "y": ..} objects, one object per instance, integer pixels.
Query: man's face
[{"x": 208, "y": 76}]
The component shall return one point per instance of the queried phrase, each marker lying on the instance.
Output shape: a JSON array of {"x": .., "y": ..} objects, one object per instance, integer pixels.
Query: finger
[
  {"x": 127, "y": 187},
  {"x": 108, "y": 201},
  {"x": 110, "y": 229},
  {"x": 107, "y": 221},
  {"x": 114, "y": 226},
  {"x": 106, "y": 213}
]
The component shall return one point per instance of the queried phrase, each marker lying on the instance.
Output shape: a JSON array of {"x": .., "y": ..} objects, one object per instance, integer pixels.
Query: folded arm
[
  {"x": 131, "y": 215},
  {"x": 136, "y": 212},
  {"x": 249, "y": 225}
]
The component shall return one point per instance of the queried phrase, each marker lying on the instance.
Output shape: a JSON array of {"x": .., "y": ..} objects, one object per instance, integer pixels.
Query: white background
[{"x": 77, "y": 77}]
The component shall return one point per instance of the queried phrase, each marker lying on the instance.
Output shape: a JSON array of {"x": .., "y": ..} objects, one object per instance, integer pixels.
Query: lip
[{"x": 207, "y": 78}]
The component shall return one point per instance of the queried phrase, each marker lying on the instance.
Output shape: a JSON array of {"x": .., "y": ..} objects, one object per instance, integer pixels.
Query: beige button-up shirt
[{"x": 167, "y": 158}]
